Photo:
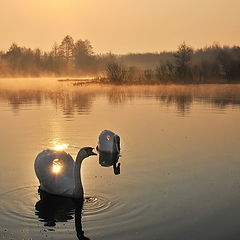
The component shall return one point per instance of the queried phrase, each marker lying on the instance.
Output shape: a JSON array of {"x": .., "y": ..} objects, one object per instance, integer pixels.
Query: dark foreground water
[{"x": 180, "y": 163}]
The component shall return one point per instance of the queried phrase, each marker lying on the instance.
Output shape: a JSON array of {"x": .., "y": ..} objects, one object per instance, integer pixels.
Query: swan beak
[{"x": 93, "y": 153}]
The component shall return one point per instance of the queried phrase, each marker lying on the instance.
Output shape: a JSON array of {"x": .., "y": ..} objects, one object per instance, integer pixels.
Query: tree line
[
  {"x": 210, "y": 64},
  {"x": 65, "y": 59}
]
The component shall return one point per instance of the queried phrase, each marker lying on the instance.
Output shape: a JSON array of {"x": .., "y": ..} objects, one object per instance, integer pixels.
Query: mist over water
[{"x": 179, "y": 160}]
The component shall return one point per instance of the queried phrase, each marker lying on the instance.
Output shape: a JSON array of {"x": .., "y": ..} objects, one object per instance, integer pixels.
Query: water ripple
[
  {"x": 20, "y": 210},
  {"x": 17, "y": 205}
]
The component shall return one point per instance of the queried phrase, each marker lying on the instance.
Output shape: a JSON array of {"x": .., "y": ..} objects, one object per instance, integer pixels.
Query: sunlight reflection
[
  {"x": 61, "y": 147},
  {"x": 57, "y": 166}
]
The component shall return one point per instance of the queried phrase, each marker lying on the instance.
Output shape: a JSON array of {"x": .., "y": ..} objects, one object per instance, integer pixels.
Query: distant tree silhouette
[
  {"x": 13, "y": 56},
  {"x": 66, "y": 48},
  {"x": 55, "y": 50},
  {"x": 211, "y": 64},
  {"x": 83, "y": 48},
  {"x": 83, "y": 54},
  {"x": 165, "y": 73},
  {"x": 148, "y": 74},
  {"x": 116, "y": 72},
  {"x": 183, "y": 57},
  {"x": 229, "y": 65}
]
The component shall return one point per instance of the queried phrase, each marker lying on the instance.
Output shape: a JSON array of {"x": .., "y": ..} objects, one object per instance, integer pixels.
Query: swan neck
[{"x": 78, "y": 191}]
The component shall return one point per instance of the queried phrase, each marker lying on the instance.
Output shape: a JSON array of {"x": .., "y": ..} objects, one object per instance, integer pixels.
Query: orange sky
[{"x": 120, "y": 26}]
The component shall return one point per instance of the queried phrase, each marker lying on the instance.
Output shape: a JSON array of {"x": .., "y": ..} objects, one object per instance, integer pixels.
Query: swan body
[
  {"x": 108, "y": 141},
  {"x": 59, "y": 174}
]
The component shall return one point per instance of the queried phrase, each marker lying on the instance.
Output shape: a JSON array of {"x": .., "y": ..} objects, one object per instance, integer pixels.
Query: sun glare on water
[
  {"x": 60, "y": 147},
  {"x": 57, "y": 166}
]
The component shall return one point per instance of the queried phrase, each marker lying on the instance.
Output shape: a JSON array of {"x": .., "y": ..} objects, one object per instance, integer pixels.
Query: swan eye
[
  {"x": 56, "y": 166},
  {"x": 108, "y": 137}
]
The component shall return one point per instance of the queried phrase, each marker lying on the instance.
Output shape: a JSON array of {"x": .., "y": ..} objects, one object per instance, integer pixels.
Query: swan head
[{"x": 87, "y": 152}]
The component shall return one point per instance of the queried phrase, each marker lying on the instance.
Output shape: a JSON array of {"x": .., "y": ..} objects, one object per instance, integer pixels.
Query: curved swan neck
[
  {"x": 78, "y": 190},
  {"x": 81, "y": 156}
]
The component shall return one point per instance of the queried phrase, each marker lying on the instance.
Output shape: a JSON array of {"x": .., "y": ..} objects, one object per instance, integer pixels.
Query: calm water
[{"x": 180, "y": 163}]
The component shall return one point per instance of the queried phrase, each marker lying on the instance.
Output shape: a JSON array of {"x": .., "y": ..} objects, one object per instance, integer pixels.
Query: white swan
[
  {"x": 58, "y": 174},
  {"x": 108, "y": 141}
]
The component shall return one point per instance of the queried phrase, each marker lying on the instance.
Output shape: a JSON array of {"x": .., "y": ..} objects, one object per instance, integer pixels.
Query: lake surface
[{"x": 180, "y": 160}]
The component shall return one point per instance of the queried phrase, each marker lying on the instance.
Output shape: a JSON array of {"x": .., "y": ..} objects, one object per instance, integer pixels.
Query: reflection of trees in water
[
  {"x": 22, "y": 97},
  {"x": 182, "y": 97},
  {"x": 79, "y": 100},
  {"x": 222, "y": 103},
  {"x": 227, "y": 95},
  {"x": 119, "y": 95},
  {"x": 220, "y": 96},
  {"x": 182, "y": 102},
  {"x": 68, "y": 101}
]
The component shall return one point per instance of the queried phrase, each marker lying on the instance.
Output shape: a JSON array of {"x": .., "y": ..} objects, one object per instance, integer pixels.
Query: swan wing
[
  {"x": 109, "y": 141},
  {"x": 61, "y": 182},
  {"x": 105, "y": 141}
]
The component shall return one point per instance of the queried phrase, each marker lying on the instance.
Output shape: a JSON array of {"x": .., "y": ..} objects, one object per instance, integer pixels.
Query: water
[{"x": 179, "y": 161}]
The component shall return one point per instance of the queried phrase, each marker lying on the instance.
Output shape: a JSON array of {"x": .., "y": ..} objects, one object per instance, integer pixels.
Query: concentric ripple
[
  {"x": 18, "y": 205},
  {"x": 96, "y": 204},
  {"x": 26, "y": 213},
  {"x": 21, "y": 206}
]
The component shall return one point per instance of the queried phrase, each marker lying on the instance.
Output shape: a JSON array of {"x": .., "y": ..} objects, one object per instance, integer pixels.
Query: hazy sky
[{"x": 120, "y": 26}]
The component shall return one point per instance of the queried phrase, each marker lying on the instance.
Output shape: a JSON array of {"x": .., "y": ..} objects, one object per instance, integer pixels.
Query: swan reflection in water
[
  {"x": 108, "y": 159},
  {"x": 52, "y": 209}
]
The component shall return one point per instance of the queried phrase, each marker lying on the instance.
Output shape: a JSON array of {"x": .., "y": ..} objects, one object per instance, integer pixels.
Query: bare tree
[{"x": 55, "y": 50}]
